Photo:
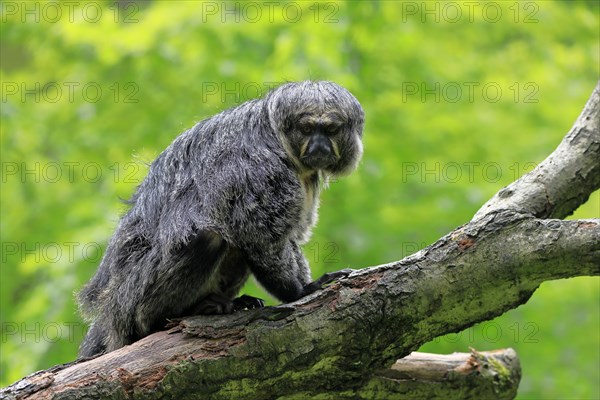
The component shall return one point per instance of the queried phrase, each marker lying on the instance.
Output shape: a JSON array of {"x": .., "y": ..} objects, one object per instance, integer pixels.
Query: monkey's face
[
  {"x": 314, "y": 139},
  {"x": 320, "y": 125}
]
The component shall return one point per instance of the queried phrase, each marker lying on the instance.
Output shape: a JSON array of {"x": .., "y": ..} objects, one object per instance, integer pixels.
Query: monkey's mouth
[{"x": 318, "y": 162}]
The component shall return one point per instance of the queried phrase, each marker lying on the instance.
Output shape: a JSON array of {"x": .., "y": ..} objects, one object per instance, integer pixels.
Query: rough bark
[{"x": 337, "y": 341}]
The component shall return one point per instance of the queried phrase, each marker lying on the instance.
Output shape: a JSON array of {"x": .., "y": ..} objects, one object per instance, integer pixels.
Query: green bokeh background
[{"x": 92, "y": 94}]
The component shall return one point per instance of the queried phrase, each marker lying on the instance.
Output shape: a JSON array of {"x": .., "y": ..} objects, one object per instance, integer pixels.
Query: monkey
[{"x": 236, "y": 194}]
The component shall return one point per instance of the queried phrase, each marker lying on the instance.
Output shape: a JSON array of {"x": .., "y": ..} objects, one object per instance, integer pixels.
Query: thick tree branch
[
  {"x": 564, "y": 180},
  {"x": 339, "y": 339},
  {"x": 339, "y": 336}
]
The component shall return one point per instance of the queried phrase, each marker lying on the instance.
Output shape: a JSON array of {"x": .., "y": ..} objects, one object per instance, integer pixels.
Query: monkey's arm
[
  {"x": 283, "y": 271},
  {"x": 305, "y": 275},
  {"x": 262, "y": 216}
]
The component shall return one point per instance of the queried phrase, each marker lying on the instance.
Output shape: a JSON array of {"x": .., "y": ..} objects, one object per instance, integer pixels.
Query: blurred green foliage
[{"x": 461, "y": 98}]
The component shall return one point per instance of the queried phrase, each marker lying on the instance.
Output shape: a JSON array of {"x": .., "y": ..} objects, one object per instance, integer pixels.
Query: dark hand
[
  {"x": 326, "y": 279},
  {"x": 245, "y": 302}
]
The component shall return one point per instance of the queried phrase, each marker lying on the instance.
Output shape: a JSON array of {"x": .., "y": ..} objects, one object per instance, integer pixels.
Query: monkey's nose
[{"x": 319, "y": 147}]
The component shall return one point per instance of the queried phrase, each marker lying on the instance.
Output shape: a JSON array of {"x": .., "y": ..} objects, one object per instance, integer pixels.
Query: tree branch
[
  {"x": 478, "y": 375},
  {"x": 339, "y": 339},
  {"x": 564, "y": 180}
]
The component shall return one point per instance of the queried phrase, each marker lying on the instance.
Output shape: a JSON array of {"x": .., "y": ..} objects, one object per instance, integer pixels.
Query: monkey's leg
[
  {"x": 185, "y": 284},
  {"x": 93, "y": 343},
  {"x": 232, "y": 273}
]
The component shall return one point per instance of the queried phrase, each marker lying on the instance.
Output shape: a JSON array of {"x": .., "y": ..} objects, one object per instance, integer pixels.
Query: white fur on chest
[{"x": 310, "y": 205}]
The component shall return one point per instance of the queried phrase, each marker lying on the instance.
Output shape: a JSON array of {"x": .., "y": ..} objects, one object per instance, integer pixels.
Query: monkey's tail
[
  {"x": 87, "y": 297},
  {"x": 94, "y": 342}
]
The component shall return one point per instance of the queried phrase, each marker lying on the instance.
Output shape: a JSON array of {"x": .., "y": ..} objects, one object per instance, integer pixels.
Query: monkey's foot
[
  {"x": 245, "y": 302},
  {"x": 325, "y": 279},
  {"x": 213, "y": 304}
]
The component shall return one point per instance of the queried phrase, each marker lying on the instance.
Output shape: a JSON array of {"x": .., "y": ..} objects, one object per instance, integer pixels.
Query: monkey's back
[{"x": 226, "y": 177}]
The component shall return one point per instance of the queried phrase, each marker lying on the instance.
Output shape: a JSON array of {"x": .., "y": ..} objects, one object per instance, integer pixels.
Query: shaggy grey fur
[{"x": 236, "y": 194}]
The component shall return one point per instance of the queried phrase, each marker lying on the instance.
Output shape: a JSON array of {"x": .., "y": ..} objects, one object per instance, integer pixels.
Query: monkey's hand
[
  {"x": 218, "y": 304},
  {"x": 325, "y": 279},
  {"x": 212, "y": 304},
  {"x": 245, "y": 302}
]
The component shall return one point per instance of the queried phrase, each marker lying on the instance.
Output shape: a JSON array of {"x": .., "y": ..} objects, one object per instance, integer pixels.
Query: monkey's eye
[
  {"x": 332, "y": 129},
  {"x": 306, "y": 129}
]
